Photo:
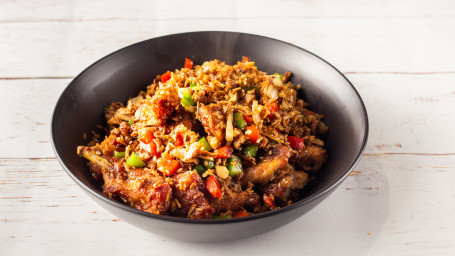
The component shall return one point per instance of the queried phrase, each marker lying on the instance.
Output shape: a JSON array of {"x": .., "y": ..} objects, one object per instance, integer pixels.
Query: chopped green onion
[
  {"x": 273, "y": 141},
  {"x": 134, "y": 160},
  {"x": 193, "y": 85},
  {"x": 119, "y": 154},
  {"x": 200, "y": 170},
  {"x": 203, "y": 142},
  {"x": 234, "y": 165},
  {"x": 227, "y": 216},
  {"x": 250, "y": 150},
  {"x": 239, "y": 120},
  {"x": 279, "y": 75},
  {"x": 130, "y": 122},
  {"x": 208, "y": 164}
]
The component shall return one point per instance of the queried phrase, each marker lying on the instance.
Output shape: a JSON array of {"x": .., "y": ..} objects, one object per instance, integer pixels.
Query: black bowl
[{"x": 124, "y": 73}]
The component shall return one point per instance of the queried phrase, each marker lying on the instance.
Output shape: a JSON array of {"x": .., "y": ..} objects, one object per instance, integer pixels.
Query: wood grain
[
  {"x": 399, "y": 55},
  {"x": 65, "y": 48},
  {"x": 86, "y": 10}
]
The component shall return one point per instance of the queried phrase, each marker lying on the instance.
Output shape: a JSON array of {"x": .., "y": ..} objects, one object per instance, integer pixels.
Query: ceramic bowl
[{"x": 125, "y": 72}]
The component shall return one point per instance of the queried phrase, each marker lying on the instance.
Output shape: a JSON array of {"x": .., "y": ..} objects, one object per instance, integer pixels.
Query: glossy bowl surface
[{"x": 125, "y": 72}]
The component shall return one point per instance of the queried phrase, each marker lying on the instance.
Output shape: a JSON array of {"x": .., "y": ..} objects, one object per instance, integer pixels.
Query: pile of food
[{"x": 209, "y": 141}]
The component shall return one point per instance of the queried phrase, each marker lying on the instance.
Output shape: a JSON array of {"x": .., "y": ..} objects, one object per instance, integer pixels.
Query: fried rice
[{"x": 209, "y": 141}]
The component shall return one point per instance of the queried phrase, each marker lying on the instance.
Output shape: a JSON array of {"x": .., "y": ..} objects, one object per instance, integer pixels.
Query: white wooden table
[{"x": 400, "y": 55}]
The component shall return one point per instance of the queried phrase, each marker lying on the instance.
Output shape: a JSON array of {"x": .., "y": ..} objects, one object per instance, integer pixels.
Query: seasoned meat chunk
[
  {"x": 144, "y": 192},
  {"x": 281, "y": 188},
  {"x": 310, "y": 159},
  {"x": 265, "y": 170},
  {"x": 235, "y": 200},
  {"x": 157, "y": 110},
  {"x": 117, "y": 140},
  {"x": 213, "y": 119},
  {"x": 188, "y": 190}
]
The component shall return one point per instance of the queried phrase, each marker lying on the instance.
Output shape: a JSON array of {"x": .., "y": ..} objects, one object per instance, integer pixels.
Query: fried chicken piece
[
  {"x": 265, "y": 170},
  {"x": 156, "y": 111},
  {"x": 189, "y": 191},
  {"x": 282, "y": 187},
  {"x": 310, "y": 159},
  {"x": 235, "y": 200},
  {"x": 139, "y": 188},
  {"x": 213, "y": 119}
]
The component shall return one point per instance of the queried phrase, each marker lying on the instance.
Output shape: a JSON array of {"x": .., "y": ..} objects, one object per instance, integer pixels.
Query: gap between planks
[{"x": 232, "y": 18}]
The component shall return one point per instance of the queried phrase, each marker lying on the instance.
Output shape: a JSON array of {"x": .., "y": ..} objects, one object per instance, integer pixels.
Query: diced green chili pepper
[
  {"x": 239, "y": 120},
  {"x": 279, "y": 75},
  {"x": 234, "y": 165},
  {"x": 119, "y": 154},
  {"x": 200, "y": 170},
  {"x": 130, "y": 122},
  {"x": 134, "y": 160},
  {"x": 250, "y": 150},
  {"x": 227, "y": 216},
  {"x": 185, "y": 97},
  {"x": 205, "y": 144},
  {"x": 187, "y": 102},
  {"x": 208, "y": 164}
]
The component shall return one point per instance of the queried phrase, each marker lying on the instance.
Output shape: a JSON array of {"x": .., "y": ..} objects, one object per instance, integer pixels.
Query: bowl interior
[{"x": 124, "y": 73}]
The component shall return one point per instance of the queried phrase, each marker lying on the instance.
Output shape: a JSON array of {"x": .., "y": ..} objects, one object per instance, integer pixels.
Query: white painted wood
[
  {"x": 400, "y": 200},
  {"x": 360, "y": 43}
]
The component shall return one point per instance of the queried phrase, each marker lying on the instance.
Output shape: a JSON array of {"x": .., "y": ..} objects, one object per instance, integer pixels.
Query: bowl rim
[{"x": 128, "y": 208}]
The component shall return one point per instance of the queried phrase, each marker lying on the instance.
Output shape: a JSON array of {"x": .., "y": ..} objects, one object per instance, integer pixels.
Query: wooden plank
[
  {"x": 403, "y": 110},
  {"x": 408, "y": 113},
  {"x": 28, "y": 106},
  {"x": 351, "y": 44},
  {"x": 390, "y": 204},
  {"x": 85, "y": 10}
]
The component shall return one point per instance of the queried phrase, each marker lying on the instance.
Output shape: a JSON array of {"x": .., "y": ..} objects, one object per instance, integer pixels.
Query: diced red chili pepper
[
  {"x": 240, "y": 214},
  {"x": 151, "y": 148},
  {"x": 224, "y": 152},
  {"x": 248, "y": 119},
  {"x": 178, "y": 140},
  {"x": 213, "y": 186},
  {"x": 168, "y": 166},
  {"x": 268, "y": 201},
  {"x": 273, "y": 107},
  {"x": 188, "y": 63},
  {"x": 296, "y": 142},
  {"x": 253, "y": 133},
  {"x": 146, "y": 136},
  {"x": 166, "y": 76}
]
